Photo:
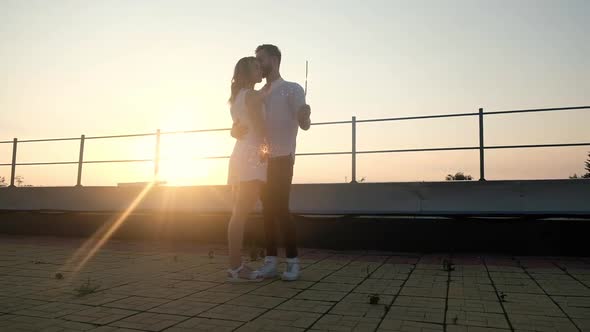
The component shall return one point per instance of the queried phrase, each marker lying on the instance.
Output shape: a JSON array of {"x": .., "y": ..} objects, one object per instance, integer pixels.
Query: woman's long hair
[{"x": 242, "y": 76}]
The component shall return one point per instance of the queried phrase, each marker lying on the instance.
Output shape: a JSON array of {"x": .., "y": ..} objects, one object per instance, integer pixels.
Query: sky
[{"x": 69, "y": 68}]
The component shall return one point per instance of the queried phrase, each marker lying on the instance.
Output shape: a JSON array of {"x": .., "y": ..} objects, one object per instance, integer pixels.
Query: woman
[{"x": 247, "y": 164}]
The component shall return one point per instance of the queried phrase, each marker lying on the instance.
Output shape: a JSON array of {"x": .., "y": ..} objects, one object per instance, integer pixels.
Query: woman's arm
[{"x": 254, "y": 102}]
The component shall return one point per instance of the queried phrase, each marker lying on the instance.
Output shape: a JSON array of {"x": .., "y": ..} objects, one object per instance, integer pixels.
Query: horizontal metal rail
[{"x": 353, "y": 152}]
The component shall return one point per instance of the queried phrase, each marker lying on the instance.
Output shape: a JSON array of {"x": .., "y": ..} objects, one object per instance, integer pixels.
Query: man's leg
[
  {"x": 282, "y": 191},
  {"x": 268, "y": 210}
]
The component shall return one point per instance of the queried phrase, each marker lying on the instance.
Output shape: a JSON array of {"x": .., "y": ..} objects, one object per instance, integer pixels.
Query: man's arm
[
  {"x": 304, "y": 117},
  {"x": 300, "y": 107}
]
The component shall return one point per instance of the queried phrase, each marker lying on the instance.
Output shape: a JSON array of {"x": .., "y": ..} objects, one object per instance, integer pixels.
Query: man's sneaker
[
  {"x": 293, "y": 270},
  {"x": 269, "y": 269}
]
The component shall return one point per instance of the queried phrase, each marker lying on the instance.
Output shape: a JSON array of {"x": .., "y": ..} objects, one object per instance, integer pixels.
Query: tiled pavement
[{"x": 133, "y": 286}]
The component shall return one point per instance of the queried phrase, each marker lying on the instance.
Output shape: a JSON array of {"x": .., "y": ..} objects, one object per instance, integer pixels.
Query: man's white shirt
[{"x": 282, "y": 104}]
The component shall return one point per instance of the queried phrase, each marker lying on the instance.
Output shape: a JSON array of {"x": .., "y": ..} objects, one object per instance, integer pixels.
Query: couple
[{"x": 265, "y": 125}]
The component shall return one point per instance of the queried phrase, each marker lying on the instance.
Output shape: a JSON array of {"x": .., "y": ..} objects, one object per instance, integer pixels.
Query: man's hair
[{"x": 271, "y": 50}]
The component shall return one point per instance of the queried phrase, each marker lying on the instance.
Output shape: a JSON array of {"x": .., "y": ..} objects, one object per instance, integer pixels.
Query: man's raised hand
[{"x": 303, "y": 117}]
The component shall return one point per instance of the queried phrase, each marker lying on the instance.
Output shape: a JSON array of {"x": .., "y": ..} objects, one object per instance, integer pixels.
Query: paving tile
[
  {"x": 320, "y": 307},
  {"x": 357, "y": 271},
  {"x": 379, "y": 286},
  {"x": 392, "y": 271},
  {"x": 213, "y": 296},
  {"x": 434, "y": 272},
  {"x": 198, "y": 324},
  {"x": 315, "y": 275},
  {"x": 580, "y": 313},
  {"x": 572, "y": 301},
  {"x": 277, "y": 290},
  {"x": 257, "y": 301},
  {"x": 137, "y": 303},
  {"x": 491, "y": 320},
  {"x": 112, "y": 329},
  {"x": 233, "y": 312},
  {"x": 457, "y": 291},
  {"x": 183, "y": 307},
  {"x": 472, "y": 281},
  {"x": 194, "y": 285},
  {"x": 541, "y": 323},
  {"x": 237, "y": 288},
  {"x": 564, "y": 287},
  {"x": 357, "y": 304},
  {"x": 281, "y": 320},
  {"x": 345, "y": 323},
  {"x": 52, "y": 310},
  {"x": 417, "y": 314},
  {"x": 403, "y": 259},
  {"x": 398, "y": 325},
  {"x": 13, "y": 304},
  {"x": 530, "y": 304},
  {"x": 434, "y": 290},
  {"x": 528, "y": 287},
  {"x": 343, "y": 279},
  {"x": 582, "y": 322},
  {"x": 154, "y": 291},
  {"x": 328, "y": 286},
  {"x": 419, "y": 280},
  {"x": 99, "y": 315},
  {"x": 469, "y": 305},
  {"x": 149, "y": 321},
  {"x": 267, "y": 327},
  {"x": 11, "y": 323},
  {"x": 318, "y": 295},
  {"x": 328, "y": 264},
  {"x": 418, "y": 309},
  {"x": 457, "y": 328},
  {"x": 297, "y": 284},
  {"x": 411, "y": 301},
  {"x": 96, "y": 299}
]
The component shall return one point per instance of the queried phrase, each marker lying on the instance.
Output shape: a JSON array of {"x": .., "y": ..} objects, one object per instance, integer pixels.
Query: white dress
[{"x": 245, "y": 163}]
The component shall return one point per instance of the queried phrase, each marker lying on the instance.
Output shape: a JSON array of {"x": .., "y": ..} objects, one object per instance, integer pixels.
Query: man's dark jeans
[{"x": 275, "y": 202}]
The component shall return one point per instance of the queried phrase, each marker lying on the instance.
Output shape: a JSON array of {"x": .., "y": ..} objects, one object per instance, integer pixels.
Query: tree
[
  {"x": 19, "y": 179},
  {"x": 587, "y": 168},
  {"x": 3, "y": 182},
  {"x": 459, "y": 176}
]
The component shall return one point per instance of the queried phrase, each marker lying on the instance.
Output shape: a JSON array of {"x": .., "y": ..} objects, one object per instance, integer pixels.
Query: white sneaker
[
  {"x": 269, "y": 269},
  {"x": 293, "y": 270}
]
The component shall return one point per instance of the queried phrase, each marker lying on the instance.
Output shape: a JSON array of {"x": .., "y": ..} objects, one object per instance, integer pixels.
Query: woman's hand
[{"x": 238, "y": 131}]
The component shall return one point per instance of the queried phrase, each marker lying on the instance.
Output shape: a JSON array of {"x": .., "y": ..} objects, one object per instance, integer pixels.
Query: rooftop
[{"x": 69, "y": 284}]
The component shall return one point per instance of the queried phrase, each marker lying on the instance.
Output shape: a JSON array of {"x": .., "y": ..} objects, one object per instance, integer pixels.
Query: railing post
[
  {"x": 157, "y": 159},
  {"x": 481, "y": 148},
  {"x": 353, "y": 150},
  {"x": 80, "y": 161},
  {"x": 13, "y": 169}
]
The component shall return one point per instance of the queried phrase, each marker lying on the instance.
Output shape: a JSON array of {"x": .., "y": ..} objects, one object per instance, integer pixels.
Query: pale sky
[{"x": 115, "y": 67}]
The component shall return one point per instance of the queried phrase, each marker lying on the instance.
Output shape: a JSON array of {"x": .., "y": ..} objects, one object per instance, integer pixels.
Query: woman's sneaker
[
  {"x": 269, "y": 269},
  {"x": 293, "y": 270}
]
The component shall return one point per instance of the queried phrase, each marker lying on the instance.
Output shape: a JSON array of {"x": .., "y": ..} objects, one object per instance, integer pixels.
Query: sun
[{"x": 184, "y": 157}]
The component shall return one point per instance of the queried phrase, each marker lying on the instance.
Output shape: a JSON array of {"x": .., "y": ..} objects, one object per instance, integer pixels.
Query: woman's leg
[{"x": 246, "y": 197}]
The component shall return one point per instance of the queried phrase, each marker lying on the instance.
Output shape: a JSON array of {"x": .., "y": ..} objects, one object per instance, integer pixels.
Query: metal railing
[{"x": 353, "y": 122}]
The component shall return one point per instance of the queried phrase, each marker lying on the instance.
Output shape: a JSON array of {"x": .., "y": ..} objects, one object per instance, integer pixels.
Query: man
[{"x": 286, "y": 112}]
